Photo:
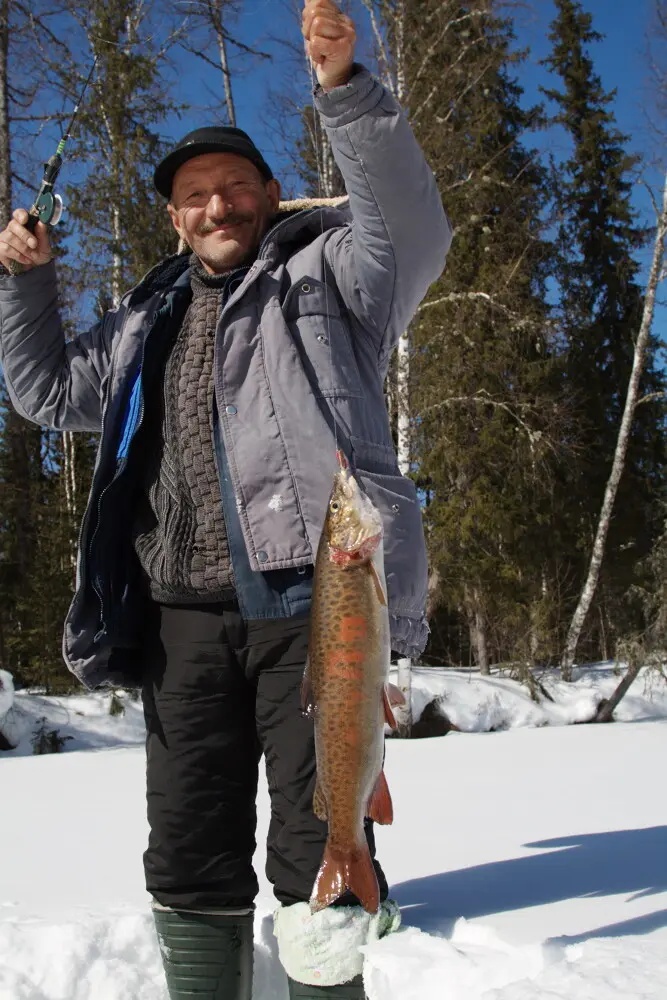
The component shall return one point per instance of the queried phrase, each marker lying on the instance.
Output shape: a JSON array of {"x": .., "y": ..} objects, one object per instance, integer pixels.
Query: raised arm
[
  {"x": 400, "y": 235},
  {"x": 51, "y": 382}
]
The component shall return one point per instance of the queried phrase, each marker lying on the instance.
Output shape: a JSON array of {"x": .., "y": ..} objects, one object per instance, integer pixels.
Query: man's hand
[
  {"x": 18, "y": 243},
  {"x": 330, "y": 40}
]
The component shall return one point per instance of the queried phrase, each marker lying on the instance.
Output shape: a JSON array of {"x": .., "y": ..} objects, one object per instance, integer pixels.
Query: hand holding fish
[{"x": 330, "y": 39}]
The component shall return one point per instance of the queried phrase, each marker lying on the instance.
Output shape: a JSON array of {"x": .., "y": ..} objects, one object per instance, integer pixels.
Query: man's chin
[{"x": 222, "y": 258}]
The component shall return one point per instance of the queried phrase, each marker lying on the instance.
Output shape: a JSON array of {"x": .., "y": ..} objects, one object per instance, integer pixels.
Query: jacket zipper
[{"x": 117, "y": 474}]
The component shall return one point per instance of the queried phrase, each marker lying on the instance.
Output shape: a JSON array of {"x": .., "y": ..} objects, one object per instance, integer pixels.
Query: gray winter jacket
[{"x": 302, "y": 349}]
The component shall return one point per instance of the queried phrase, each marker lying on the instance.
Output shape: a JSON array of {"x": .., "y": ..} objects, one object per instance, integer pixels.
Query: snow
[
  {"x": 6, "y": 693},
  {"x": 488, "y": 704},
  {"x": 530, "y": 864}
]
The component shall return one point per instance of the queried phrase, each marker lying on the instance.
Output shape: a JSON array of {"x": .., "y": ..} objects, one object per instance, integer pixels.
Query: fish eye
[{"x": 334, "y": 506}]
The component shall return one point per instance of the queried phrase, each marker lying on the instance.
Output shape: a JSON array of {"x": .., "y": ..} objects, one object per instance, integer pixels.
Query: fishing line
[{"x": 319, "y": 154}]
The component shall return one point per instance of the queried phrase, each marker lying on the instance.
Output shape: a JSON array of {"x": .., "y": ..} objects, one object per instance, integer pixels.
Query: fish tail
[{"x": 342, "y": 870}]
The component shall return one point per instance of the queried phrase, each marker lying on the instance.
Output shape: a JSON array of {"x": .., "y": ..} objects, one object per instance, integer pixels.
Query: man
[{"x": 222, "y": 385}]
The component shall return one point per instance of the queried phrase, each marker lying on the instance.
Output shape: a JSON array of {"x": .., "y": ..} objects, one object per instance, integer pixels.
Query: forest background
[{"x": 509, "y": 390}]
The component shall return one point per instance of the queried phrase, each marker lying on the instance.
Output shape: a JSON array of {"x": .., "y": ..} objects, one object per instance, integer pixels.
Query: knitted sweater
[{"x": 179, "y": 531}]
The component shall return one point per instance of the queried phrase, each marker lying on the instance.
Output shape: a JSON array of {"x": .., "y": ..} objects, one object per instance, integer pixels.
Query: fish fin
[
  {"x": 380, "y": 806},
  {"x": 389, "y": 717},
  {"x": 379, "y": 589},
  {"x": 396, "y": 696},
  {"x": 307, "y": 699},
  {"x": 319, "y": 802},
  {"x": 341, "y": 870}
]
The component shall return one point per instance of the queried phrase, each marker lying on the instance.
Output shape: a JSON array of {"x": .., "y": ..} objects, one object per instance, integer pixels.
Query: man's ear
[
  {"x": 273, "y": 191},
  {"x": 173, "y": 215}
]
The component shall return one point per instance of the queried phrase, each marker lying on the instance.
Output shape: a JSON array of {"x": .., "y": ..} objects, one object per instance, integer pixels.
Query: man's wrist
[{"x": 343, "y": 82}]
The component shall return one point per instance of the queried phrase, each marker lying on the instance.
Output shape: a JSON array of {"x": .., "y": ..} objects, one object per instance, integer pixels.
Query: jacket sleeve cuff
[
  {"x": 342, "y": 105},
  {"x": 29, "y": 282}
]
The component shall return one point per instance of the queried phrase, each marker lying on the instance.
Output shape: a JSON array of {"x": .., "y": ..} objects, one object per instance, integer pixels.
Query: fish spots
[
  {"x": 345, "y": 665},
  {"x": 353, "y": 628}
]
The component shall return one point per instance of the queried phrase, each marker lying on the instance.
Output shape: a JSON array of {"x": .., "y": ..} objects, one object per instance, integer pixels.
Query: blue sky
[{"x": 620, "y": 59}]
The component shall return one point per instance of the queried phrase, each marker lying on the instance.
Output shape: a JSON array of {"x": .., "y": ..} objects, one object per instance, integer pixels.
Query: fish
[{"x": 345, "y": 690}]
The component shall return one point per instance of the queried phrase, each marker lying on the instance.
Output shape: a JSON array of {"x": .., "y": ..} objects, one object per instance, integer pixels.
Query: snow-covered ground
[
  {"x": 530, "y": 864},
  {"x": 478, "y": 704}
]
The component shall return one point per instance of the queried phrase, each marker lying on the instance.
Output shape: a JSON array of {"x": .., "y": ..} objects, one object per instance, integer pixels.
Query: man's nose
[{"x": 219, "y": 205}]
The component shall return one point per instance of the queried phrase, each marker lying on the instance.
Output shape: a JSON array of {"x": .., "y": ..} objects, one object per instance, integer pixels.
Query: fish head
[{"x": 353, "y": 524}]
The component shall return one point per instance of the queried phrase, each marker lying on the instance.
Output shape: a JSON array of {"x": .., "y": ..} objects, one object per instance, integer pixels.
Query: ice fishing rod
[{"x": 48, "y": 206}]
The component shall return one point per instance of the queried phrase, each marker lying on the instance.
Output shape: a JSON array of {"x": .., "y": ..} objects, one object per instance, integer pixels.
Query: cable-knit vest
[{"x": 179, "y": 533}]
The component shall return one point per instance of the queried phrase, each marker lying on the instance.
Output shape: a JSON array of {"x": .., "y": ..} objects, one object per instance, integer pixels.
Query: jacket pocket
[
  {"x": 373, "y": 457},
  {"x": 322, "y": 338},
  {"x": 405, "y": 559}
]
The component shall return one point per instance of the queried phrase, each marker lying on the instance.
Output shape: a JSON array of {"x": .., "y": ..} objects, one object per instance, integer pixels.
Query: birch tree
[
  {"x": 209, "y": 37},
  {"x": 632, "y": 401}
]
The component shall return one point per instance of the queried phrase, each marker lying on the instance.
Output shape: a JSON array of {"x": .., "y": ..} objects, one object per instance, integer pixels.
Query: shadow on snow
[{"x": 594, "y": 864}]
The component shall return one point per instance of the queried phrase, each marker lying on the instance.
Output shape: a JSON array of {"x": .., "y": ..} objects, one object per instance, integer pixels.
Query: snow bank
[
  {"x": 84, "y": 718},
  {"x": 418, "y": 966},
  {"x": 477, "y": 704},
  {"x": 6, "y": 693}
]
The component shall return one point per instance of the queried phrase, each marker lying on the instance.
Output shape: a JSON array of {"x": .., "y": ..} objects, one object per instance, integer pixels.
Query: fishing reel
[{"x": 47, "y": 206}]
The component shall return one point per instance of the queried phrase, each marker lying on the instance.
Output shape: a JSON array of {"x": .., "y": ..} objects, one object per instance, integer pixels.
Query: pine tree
[
  {"x": 601, "y": 303},
  {"x": 483, "y": 377},
  {"x": 119, "y": 221}
]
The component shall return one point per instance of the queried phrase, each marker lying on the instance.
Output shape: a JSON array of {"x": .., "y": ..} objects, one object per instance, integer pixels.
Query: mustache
[{"x": 233, "y": 219}]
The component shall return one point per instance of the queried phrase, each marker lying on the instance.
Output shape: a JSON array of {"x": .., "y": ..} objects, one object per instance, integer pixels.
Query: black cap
[{"x": 212, "y": 139}]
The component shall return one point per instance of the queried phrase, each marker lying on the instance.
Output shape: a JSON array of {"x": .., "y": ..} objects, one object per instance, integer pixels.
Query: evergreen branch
[
  {"x": 483, "y": 398},
  {"x": 521, "y": 323},
  {"x": 425, "y": 103},
  {"x": 466, "y": 90},
  {"x": 437, "y": 41},
  {"x": 458, "y": 184},
  {"x": 652, "y": 397}
]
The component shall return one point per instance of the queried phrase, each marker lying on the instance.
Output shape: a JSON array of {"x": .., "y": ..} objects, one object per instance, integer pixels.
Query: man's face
[{"x": 221, "y": 205}]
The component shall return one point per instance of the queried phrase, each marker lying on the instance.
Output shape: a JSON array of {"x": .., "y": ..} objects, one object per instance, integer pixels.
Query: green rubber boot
[
  {"x": 353, "y": 990},
  {"x": 206, "y": 955}
]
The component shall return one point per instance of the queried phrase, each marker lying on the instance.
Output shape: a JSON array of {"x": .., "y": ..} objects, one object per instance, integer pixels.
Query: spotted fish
[{"x": 345, "y": 689}]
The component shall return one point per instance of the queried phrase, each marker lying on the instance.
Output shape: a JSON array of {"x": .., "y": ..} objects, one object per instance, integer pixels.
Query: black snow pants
[{"x": 218, "y": 692}]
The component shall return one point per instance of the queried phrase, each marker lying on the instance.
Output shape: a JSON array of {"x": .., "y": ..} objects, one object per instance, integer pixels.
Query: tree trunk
[
  {"x": 477, "y": 627},
  {"x": 605, "y": 711},
  {"x": 224, "y": 66},
  {"x": 5, "y": 162},
  {"x": 402, "y": 396},
  {"x": 69, "y": 473},
  {"x": 631, "y": 400},
  {"x": 117, "y": 260}
]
